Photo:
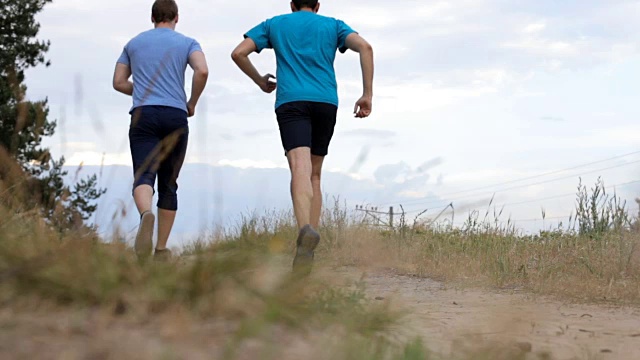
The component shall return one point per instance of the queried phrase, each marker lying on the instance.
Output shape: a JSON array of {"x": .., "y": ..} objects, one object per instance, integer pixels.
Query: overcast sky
[{"x": 468, "y": 93}]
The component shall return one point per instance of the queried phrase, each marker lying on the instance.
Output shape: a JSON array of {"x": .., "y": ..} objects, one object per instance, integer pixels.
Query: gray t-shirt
[{"x": 158, "y": 59}]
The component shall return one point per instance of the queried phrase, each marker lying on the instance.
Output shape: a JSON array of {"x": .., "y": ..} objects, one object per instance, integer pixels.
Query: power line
[
  {"x": 569, "y": 194},
  {"x": 529, "y": 177},
  {"x": 536, "y": 200},
  {"x": 529, "y": 185},
  {"x": 545, "y": 219}
]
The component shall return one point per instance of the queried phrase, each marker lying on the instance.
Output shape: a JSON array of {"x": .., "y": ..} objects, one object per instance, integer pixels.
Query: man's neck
[
  {"x": 165, "y": 25},
  {"x": 307, "y": 9}
]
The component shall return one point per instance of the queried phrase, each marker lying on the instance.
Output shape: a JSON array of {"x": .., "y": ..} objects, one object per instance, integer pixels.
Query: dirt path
[{"x": 447, "y": 319}]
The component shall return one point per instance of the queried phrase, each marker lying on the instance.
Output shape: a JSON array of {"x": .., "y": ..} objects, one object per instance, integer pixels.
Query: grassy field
[{"x": 242, "y": 278}]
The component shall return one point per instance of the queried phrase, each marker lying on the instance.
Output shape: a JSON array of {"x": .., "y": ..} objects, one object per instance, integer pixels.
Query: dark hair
[
  {"x": 301, "y": 4},
  {"x": 164, "y": 11}
]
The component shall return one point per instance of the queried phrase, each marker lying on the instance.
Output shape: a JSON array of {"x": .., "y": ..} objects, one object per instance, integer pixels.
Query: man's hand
[
  {"x": 266, "y": 84},
  {"x": 240, "y": 56},
  {"x": 191, "y": 108},
  {"x": 363, "y": 107},
  {"x": 356, "y": 43}
]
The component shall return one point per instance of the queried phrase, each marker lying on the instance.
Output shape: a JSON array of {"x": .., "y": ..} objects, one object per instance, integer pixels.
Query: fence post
[{"x": 391, "y": 217}]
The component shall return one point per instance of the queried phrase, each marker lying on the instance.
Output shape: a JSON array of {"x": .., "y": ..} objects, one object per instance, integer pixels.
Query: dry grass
[
  {"x": 242, "y": 279},
  {"x": 562, "y": 263},
  {"x": 570, "y": 266}
]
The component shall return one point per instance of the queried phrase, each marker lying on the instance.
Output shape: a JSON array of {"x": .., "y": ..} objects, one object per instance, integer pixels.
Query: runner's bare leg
[
  {"x": 301, "y": 188},
  {"x": 316, "y": 203}
]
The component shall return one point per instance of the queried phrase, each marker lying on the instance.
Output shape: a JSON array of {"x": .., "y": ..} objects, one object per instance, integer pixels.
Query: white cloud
[
  {"x": 253, "y": 164},
  {"x": 468, "y": 80},
  {"x": 485, "y": 176},
  {"x": 547, "y": 47},
  {"x": 95, "y": 158},
  {"x": 534, "y": 27},
  {"x": 423, "y": 96}
]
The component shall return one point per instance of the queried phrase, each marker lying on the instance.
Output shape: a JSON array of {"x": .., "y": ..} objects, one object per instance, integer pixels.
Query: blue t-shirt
[
  {"x": 158, "y": 59},
  {"x": 305, "y": 44}
]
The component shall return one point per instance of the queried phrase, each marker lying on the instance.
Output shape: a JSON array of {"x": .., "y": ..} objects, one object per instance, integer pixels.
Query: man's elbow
[
  {"x": 117, "y": 85},
  {"x": 237, "y": 55},
  {"x": 366, "y": 48},
  {"x": 363, "y": 48},
  {"x": 202, "y": 73}
]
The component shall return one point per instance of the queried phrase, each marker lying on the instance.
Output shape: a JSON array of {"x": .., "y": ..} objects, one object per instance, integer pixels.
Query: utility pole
[{"x": 378, "y": 216}]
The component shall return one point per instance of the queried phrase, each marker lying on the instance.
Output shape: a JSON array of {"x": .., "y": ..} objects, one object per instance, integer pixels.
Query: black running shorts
[
  {"x": 158, "y": 137},
  {"x": 307, "y": 124}
]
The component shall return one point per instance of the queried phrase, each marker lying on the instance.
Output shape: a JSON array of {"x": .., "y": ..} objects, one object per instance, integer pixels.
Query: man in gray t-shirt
[{"x": 157, "y": 59}]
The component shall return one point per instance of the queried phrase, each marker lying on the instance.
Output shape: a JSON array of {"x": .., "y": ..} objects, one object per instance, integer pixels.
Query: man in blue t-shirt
[
  {"x": 157, "y": 60},
  {"x": 305, "y": 45}
]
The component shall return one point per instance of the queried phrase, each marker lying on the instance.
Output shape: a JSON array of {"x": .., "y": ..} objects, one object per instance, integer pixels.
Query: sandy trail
[{"x": 448, "y": 318}]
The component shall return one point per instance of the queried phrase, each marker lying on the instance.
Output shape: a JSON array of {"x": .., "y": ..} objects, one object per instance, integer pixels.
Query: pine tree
[{"x": 24, "y": 124}]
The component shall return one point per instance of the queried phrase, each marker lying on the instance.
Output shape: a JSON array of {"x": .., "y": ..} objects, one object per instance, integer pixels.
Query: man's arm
[
  {"x": 198, "y": 63},
  {"x": 121, "y": 79},
  {"x": 356, "y": 43},
  {"x": 241, "y": 57}
]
